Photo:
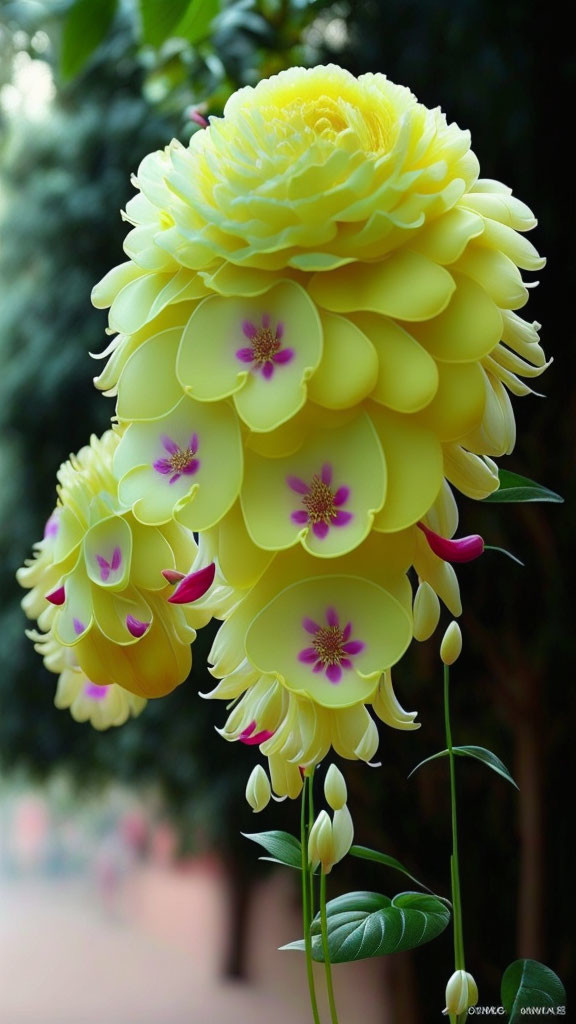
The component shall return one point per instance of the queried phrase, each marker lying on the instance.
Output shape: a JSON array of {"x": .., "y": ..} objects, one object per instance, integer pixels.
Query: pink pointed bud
[
  {"x": 252, "y": 738},
  {"x": 135, "y": 626},
  {"x": 172, "y": 575},
  {"x": 194, "y": 585},
  {"x": 57, "y": 596},
  {"x": 464, "y": 549},
  {"x": 196, "y": 116}
]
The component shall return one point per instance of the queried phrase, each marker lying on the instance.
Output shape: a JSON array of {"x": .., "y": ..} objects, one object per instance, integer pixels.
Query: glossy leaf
[
  {"x": 283, "y": 847},
  {"x": 366, "y": 924},
  {"x": 514, "y": 487},
  {"x": 365, "y": 853},
  {"x": 527, "y": 984},
  {"x": 196, "y": 22},
  {"x": 86, "y": 25},
  {"x": 160, "y": 18},
  {"x": 479, "y": 754}
]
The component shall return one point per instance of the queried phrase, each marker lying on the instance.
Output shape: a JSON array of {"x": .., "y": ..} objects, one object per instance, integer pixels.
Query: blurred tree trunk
[{"x": 240, "y": 888}]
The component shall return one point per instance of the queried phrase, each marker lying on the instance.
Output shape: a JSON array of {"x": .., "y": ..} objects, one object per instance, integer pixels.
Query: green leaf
[
  {"x": 490, "y": 547},
  {"x": 527, "y": 983},
  {"x": 160, "y": 18},
  {"x": 367, "y": 924},
  {"x": 365, "y": 853},
  {"x": 86, "y": 25},
  {"x": 283, "y": 847},
  {"x": 195, "y": 25},
  {"x": 479, "y": 754},
  {"x": 514, "y": 487}
]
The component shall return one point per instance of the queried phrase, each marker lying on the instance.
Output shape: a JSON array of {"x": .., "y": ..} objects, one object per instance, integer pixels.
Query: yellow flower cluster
[
  {"x": 96, "y": 587},
  {"x": 315, "y": 337}
]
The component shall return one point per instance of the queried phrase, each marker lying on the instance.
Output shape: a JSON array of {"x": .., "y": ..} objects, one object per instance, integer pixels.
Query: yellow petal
[
  {"x": 467, "y": 330},
  {"x": 414, "y": 460},
  {"x": 458, "y": 405},
  {"x": 407, "y": 374},
  {"x": 154, "y": 361},
  {"x": 349, "y": 367},
  {"x": 406, "y": 286}
]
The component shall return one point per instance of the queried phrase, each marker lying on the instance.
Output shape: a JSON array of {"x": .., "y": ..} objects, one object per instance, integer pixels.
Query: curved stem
[
  {"x": 327, "y": 963},
  {"x": 305, "y": 877}
]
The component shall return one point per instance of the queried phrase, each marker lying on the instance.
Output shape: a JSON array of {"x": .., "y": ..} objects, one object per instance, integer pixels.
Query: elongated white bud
[
  {"x": 335, "y": 788},
  {"x": 321, "y": 843},
  {"x": 342, "y": 832},
  {"x": 258, "y": 791},
  {"x": 426, "y": 612},
  {"x": 451, "y": 645}
]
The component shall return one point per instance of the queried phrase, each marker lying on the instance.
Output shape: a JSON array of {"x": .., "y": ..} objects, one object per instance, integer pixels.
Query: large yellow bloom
[{"x": 316, "y": 335}]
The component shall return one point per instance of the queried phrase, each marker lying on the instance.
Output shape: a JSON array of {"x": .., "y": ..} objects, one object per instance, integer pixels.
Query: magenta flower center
[
  {"x": 319, "y": 501},
  {"x": 265, "y": 344},
  {"x": 180, "y": 460},
  {"x": 329, "y": 645}
]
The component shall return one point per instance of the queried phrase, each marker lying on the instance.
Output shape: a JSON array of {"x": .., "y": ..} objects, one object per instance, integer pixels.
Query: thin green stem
[
  {"x": 310, "y": 781},
  {"x": 459, "y": 964},
  {"x": 305, "y": 873},
  {"x": 327, "y": 962}
]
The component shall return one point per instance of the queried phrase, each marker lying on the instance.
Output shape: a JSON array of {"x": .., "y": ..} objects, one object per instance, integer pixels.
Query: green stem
[
  {"x": 305, "y": 873},
  {"x": 310, "y": 781},
  {"x": 459, "y": 962},
  {"x": 327, "y": 963}
]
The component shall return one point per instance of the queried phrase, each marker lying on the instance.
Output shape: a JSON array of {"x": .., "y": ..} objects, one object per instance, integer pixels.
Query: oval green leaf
[
  {"x": 282, "y": 847},
  {"x": 529, "y": 984},
  {"x": 479, "y": 754},
  {"x": 366, "y": 924},
  {"x": 514, "y": 487}
]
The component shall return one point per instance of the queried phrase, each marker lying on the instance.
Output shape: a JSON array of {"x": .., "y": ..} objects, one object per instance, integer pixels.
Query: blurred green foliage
[{"x": 62, "y": 181}]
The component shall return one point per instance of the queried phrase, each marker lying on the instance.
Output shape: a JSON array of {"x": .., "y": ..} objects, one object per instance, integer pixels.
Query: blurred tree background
[{"x": 86, "y": 90}]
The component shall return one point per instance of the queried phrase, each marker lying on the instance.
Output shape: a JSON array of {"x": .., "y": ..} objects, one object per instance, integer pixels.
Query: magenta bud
[
  {"x": 194, "y": 585},
  {"x": 57, "y": 596},
  {"x": 463, "y": 549},
  {"x": 196, "y": 116},
  {"x": 135, "y": 626},
  {"x": 172, "y": 575}
]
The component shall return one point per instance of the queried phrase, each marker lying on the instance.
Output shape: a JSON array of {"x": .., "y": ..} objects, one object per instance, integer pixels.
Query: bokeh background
[{"x": 128, "y": 893}]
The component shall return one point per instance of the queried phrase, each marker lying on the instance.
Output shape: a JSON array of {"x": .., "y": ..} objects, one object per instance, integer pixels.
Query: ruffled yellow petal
[
  {"x": 279, "y": 637},
  {"x": 325, "y": 495}
]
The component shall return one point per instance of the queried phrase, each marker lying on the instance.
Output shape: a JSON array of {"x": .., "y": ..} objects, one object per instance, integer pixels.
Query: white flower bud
[
  {"x": 461, "y": 993},
  {"x": 335, "y": 788},
  {"x": 451, "y": 645},
  {"x": 321, "y": 843},
  {"x": 258, "y": 790},
  {"x": 426, "y": 612},
  {"x": 342, "y": 832}
]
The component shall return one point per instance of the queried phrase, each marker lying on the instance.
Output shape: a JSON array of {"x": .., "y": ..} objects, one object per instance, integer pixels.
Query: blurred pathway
[{"x": 152, "y": 955}]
